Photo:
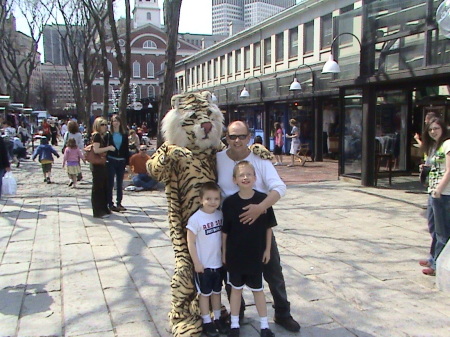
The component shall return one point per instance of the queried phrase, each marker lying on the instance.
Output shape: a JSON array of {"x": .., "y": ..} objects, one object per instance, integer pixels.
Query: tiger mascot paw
[
  {"x": 261, "y": 151},
  {"x": 192, "y": 131}
]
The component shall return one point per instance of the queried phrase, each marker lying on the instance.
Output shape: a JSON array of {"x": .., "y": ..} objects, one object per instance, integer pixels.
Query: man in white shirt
[{"x": 267, "y": 181}]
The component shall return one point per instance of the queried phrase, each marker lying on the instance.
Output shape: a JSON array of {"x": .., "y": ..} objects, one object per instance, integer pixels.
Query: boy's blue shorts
[{"x": 209, "y": 282}]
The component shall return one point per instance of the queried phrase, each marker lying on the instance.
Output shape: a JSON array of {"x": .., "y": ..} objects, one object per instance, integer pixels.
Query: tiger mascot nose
[{"x": 207, "y": 126}]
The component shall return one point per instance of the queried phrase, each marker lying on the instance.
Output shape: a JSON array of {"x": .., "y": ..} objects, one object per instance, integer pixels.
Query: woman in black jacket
[
  {"x": 117, "y": 161},
  {"x": 4, "y": 162}
]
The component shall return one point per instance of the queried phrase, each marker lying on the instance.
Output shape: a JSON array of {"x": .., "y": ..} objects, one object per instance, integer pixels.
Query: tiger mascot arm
[{"x": 165, "y": 159}]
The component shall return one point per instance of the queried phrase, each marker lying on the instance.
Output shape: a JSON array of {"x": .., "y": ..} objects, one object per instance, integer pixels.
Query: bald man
[{"x": 267, "y": 181}]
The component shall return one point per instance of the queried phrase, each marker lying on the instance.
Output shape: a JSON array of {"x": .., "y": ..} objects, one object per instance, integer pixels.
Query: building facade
[
  {"x": 148, "y": 48},
  {"x": 394, "y": 68},
  {"x": 232, "y": 16}
]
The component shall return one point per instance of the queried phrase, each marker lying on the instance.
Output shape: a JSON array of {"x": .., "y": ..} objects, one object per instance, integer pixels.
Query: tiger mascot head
[{"x": 194, "y": 122}]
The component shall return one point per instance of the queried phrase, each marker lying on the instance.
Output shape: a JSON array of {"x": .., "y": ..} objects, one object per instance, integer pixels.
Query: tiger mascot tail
[{"x": 192, "y": 130}]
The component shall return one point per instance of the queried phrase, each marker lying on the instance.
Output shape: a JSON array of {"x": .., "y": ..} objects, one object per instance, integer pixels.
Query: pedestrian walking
[
  {"x": 45, "y": 152},
  {"x": 295, "y": 140},
  {"x": 71, "y": 160}
]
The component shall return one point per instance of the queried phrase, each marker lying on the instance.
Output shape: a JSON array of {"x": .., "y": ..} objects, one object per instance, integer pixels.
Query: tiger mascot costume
[{"x": 192, "y": 132}]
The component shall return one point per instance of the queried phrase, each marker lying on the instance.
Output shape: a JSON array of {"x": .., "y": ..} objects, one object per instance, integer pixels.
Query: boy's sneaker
[
  {"x": 48, "y": 180},
  {"x": 209, "y": 329},
  {"x": 234, "y": 332},
  {"x": 222, "y": 326},
  {"x": 267, "y": 333}
]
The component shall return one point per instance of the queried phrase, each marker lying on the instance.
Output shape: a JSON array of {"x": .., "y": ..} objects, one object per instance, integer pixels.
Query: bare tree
[
  {"x": 78, "y": 36},
  {"x": 18, "y": 52},
  {"x": 123, "y": 58},
  {"x": 171, "y": 20},
  {"x": 99, "y": 14},
  {"x": 43, "y": 100}
]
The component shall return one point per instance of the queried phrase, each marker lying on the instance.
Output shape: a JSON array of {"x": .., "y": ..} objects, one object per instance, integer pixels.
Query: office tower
[
  {"x": 232, "y": 16},
  {"x": 53, "y": 45}
]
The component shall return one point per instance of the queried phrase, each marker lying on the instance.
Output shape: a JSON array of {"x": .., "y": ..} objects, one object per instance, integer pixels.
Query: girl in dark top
[
  {"x": 99, "y": 172},
  {"x": 117, "y": 161}
]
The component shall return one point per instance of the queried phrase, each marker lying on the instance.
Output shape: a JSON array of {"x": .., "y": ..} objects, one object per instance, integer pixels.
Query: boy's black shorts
[
  {"x": 253, "y": 281},
  {"x": 209, "y": 282}
]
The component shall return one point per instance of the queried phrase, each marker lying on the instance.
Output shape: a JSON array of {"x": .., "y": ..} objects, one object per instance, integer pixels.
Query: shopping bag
[{"x": 9, "y": 184}]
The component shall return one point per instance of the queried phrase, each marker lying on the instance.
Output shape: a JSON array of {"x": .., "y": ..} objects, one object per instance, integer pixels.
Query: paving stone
[{"x": 41, "y": 313}]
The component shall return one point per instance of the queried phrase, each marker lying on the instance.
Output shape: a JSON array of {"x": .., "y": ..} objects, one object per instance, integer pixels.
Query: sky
[{"x": 191, "y": 11}]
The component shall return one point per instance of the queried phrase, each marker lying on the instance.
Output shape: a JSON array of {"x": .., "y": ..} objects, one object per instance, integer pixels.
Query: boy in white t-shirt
[{"x": 205, "y": 247}]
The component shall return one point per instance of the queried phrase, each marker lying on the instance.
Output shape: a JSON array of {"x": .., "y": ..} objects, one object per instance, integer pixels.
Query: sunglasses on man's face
[
  {"x": 103, "y": 124},
  {"x": 143, "y": 149},
  {"x": 234, "y": 137}
]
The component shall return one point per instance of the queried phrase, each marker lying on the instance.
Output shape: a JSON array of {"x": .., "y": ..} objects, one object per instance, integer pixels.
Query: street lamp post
[{"x": 331, "y": 66}]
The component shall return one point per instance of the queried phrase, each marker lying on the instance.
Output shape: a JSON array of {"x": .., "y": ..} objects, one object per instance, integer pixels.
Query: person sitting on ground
[
  {"x": 141, "y": 180},
  {"x": 133, "y": 141}
]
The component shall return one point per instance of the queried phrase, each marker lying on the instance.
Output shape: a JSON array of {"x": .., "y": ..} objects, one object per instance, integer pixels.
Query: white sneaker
[
  {"x": 276, "y": 164},
  {"x": 137, "y": 188},
  {"x": 130, "y": 188}
]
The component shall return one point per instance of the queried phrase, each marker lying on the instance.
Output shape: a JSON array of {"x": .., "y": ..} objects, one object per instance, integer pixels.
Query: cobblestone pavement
[{"x": 349, "y": 255}]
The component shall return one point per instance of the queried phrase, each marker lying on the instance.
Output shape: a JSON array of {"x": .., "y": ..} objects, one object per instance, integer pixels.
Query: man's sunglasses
[{"x": 234, "y": 137}]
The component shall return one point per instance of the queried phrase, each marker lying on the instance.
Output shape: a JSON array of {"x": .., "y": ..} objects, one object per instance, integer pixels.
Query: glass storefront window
[
  {"x": 352, "y": 142},
  {"x": 390, "y": 126}
]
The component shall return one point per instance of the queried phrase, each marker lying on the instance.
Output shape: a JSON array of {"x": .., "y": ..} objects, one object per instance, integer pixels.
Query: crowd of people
[
  {"x": 112, "y": 139},
  {"x": 230, "y": 237}
]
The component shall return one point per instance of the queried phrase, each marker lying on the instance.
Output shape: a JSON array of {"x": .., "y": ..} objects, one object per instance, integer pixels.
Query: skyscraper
[
  {"x": 53, "y": 45},
  {"x": 232, "y": 16}
]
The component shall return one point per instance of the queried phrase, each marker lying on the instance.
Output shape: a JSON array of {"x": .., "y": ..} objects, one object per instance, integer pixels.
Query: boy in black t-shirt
[{"x": 245, "y": 247}]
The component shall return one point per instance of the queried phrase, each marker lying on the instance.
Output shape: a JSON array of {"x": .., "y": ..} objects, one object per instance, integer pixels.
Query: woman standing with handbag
[
  {"x": 117, "y": 161},
  {"x": 99, "y": 195},
  {"x": 436, "y": 145}
]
